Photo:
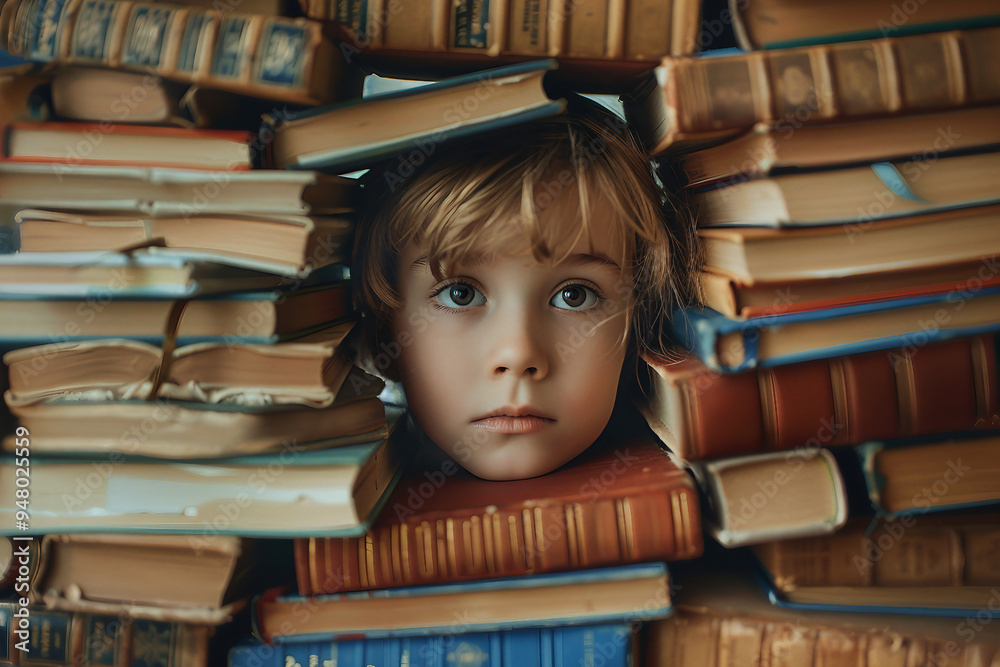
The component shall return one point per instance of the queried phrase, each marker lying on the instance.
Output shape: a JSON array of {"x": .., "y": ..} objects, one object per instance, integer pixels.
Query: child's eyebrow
[{"x": 582, "y": 258}]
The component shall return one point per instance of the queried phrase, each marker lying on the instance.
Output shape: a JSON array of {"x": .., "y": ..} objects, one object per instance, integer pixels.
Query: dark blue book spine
[{"x": 604, "y": 645}]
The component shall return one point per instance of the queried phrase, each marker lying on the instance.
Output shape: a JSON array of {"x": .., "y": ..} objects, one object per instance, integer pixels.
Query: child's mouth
[{"x": 513, "y": 425}]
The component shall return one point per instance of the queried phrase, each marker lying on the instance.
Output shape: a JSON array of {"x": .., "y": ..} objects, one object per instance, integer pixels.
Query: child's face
[{"x": 509, "y": 365}]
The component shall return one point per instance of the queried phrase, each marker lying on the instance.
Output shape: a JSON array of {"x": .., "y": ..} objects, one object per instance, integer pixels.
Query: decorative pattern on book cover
[
  {"x": 941, "y": 387},
  {"x": 701, "y": 98},
  {"x": 622, "y": 502}
]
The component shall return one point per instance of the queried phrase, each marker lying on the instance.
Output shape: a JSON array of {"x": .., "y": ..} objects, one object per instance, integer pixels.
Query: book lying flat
[
  {"x": 722, "y": 616},
  {"x": 646, "y": 508},
  {"x": 251, "y": 317},
  {"x": 731, "y": 345},
  {"x": 606, "y": 645},
  {"x": 172, "y": 192},
  {"x": 308, "y": 370},
  {"x": 607, "y": 595},
  {"x": 851, "y": 194},
  {"x": 294, "y": 493},
  {"x": 845, "y": 400},
  {"x": 353, "y": 135},
  {"x": 290, "y": 245},
  {"x": 172, "y": 429},
  {"x": 200, "y": 578},
  {"x": 942, "y": 565}
]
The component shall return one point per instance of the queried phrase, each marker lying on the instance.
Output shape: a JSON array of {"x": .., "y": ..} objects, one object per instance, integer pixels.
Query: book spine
[
  {"x": 495, "y": 543},
  {"x": 899, "y": 553},
  {"x": 585, "y": 29},
  {"x": 871, "y": 78},
  {"x": 607, "y": 645},
  {"x": 942, "y": 387},
  {"x": 278, "y": 58},
  {"x": 705, "y": 639},
  {"x": 39, "y": 637}
]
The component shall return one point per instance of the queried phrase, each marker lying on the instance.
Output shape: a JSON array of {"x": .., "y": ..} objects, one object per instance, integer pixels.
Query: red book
[{"x": 622, "y": 501}]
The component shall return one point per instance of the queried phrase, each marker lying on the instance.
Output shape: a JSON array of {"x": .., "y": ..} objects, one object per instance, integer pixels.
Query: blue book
[
  {"x": 622, "y": 594},
  {"x": 298, "y": 490},
  {"x": 409, "y": 124},
  {"x": 571, "y": 646},
  {"x": 730, "y": 346}
]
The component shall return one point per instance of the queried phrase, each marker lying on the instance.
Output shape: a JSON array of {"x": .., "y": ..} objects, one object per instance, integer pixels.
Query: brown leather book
[
  {"x": 622, "y": 501},
  {"x": 704, "y": 100},
  {"x": 937, "y": 388}
]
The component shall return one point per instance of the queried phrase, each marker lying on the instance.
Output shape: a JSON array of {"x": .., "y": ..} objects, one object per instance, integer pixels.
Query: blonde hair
[{"x": 463, "y": 201}]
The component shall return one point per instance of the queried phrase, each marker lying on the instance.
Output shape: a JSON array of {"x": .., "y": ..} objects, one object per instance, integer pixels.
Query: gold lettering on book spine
[
  {"x": 529, "y": 539},
  {"x": 490, "y": 542},
  {"x": 626, "y": 535},
  {"x": 573, "y": 537}
]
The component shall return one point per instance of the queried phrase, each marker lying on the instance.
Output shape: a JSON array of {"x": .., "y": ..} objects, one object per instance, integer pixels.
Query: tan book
[
  {"x": 699, "y": 101},
  {"x": 723, "y": 618},
  {"x": 760, "y": 24},
  {"x": 929, "y": 561}
]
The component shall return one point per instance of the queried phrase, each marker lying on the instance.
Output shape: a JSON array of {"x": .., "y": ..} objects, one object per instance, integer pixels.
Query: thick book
[
  {"x": 775, "y": 496},
  {"x": 289, "y": 245},
  {"x": 863, "y": 246},
  {"x": 161, "y": 192},
  {"x": 622, "y": 501},
  {"x": 731, "y": 346},
  {"x": 932, "y": 474},
  {"x": 34, "y": 636},
  {"x": 600, "y": 43},
  {"x": 623, "y": 594},
  {"x": 605, "y": 645},
  {"x": 942, "y": 565},
  {"x": 281, "y": 59},
  {"x": 346, "y": 137},
  {"x": 293, "y": 493},
  {"x": 98, "y": 95},
  {"x": 770, "y": 24},
  {"x": 245, "y": 424},
  {"x": 309, "y": 370},
  {"x": 181, "y": 578},
  {"x": 764, "y": 150},
  {"x": 851, "y": 195},
  {"x": 845, "y": 400},
  {"x": 700, "y": 101},
  {"x": 741, "y": 298},
  {"x": 248, "y": 317},
  {"x": 723, "y": 617},
  {"x": 112, "y": 144}
]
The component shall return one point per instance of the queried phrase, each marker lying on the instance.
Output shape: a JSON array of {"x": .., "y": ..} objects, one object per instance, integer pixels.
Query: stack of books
[{"x": 841, "y": 379}]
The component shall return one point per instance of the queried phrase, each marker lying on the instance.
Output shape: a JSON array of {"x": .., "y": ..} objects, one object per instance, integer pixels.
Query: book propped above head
[
  {"x": 180, "y": 578},
  {"x": 943, "y": 565},
  {"x": 942, "y": 387},
  {"x": 770, "y": 24},
  {"x": 600, "y": 46},
  {"x": 624, "y": 500},
  {"x": 626, "y": 593},
  {"x": 307, "y": 371},
  {"x": 346, "y": 137},
  {"x": 242, "y": 422},
  {"x": 109, "y": 144},
  {"x": 247, "y": 317},
  {"x": 701, "y": 101},
  {"x": 931, "y": 241},
  {"x": 295, "y": 492},
  {"x": 289, "y": 245},
  {"x": 722, "y": 616},
  {"x": 854, "y": 195},
  {"x": 173, "y": 192},
  {"x": 764, "y": 150}
]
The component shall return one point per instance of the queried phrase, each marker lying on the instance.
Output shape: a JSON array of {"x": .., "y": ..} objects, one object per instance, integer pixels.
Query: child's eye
[
  {"x": 460, "y": 295},
  {"x": 574, "y": 297}
]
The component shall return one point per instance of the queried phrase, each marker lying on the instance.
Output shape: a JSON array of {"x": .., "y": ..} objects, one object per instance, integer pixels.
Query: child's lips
[{"x": 514, "y": 420}]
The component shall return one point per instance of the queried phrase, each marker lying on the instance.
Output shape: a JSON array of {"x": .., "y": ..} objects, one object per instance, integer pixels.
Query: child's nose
[{"x": 517, "y": 349}]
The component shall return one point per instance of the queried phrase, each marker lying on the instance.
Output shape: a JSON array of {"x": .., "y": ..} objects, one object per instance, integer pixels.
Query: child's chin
[{"x": 510, "y": 463}]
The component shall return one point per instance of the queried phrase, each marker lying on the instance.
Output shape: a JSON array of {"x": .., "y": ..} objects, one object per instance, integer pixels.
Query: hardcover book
[
  {"x": 627, "y": 593},
  {"x": 622, "y": 501},
  {"x": 903, "y": 391},
  {"x": 703, "y": 101}
]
